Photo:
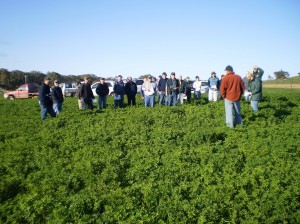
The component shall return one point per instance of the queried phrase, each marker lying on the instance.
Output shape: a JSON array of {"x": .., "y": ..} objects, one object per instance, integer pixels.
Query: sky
[{"x": 137, "y": 37}]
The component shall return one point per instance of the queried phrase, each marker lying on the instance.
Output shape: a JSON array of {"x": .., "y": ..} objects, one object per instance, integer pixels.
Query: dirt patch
[{"x": 283, "y": 86}]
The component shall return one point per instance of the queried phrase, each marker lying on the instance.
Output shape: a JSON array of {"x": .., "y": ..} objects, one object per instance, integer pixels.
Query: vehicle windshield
[{"x": 68, "y": 85}]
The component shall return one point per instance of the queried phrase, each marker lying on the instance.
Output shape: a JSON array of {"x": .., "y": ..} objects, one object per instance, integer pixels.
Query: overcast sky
[{"x": 137, "y": 37}]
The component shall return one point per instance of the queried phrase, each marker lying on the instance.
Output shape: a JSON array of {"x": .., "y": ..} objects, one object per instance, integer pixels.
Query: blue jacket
[
  {"x": 162, "y": 84},
  {"x": 214, "y": 82},
  {"x": 119, "y": 88}
]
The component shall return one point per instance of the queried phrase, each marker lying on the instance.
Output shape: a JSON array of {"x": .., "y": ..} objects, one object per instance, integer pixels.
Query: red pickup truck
[{"x": 24, "y": 91}]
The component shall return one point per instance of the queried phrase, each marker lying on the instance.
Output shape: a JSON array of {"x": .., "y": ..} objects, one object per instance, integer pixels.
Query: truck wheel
[{"x": 11, "y": 97}]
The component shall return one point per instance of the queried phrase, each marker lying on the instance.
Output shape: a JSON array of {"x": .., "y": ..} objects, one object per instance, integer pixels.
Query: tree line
[{"x": 12, "y": 79}]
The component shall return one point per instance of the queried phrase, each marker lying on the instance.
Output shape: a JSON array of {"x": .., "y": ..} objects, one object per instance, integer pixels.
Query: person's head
[
  {"x": 187, "y": 79},
  {"x": 47, "y": 80},
  {"x": 180, "y": 77},
  {"x": 249, "y": 75},
  {"x": 129, "y": 79},
  {"x": 197, "y": 77},
  {"x": 86, "y": 79},
  {"x": 228, "y": 69},
  {"x": 120, "y": 78},
  {"x": 173, "y": 75},
  {"x": 164, "y": 75},
  {"x": 56, "y": 82},
  {"x": 102, "y": 80},
  {"x": 213, "y": 74},
  {"x": 149, "y": 78},
  {"x": 254, "y": 68}
]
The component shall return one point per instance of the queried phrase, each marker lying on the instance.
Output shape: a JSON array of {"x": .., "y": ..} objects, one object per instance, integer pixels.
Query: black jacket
[
  {"x": 130, "y": 88},
  {"x": 86, "y": 91},
  {"x": 45, "y": 95},
  {"x": 57, "y": 95},
  {"x": 102, "y": 89}
]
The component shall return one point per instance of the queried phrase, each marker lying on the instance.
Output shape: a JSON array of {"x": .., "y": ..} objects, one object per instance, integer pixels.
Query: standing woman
[{"x": 255, "y": 91}]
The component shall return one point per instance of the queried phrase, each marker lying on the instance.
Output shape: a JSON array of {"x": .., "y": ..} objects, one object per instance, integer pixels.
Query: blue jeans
[
  {"x": 162, "y": 97},
  {"x": 102, "y": 102},
  {"x": 172, "y": 99},
  {"x": 233, "y": 112},
  {"x": 45, "y": 110},
  {"x": 57, "y": 107},
  {"x": 254, "y": 105},
  {"x": 149, "y": 101},
  {"x": 197, "y": 95}
]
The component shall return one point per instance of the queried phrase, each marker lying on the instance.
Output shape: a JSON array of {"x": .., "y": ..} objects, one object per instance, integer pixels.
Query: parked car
[
  {"x": 204, "y": 86},
  {"x": 139, "y": 83},
  {"x": 24, "y": 91},
  {"x": 110, "y": 84},
  {"x": 68, "y": 89}
]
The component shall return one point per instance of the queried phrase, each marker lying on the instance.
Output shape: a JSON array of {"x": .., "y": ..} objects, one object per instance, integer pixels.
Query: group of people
[{"x": 170, "y": 92}]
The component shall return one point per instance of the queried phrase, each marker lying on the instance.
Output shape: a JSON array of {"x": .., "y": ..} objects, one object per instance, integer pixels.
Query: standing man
[
  {"x": 255, "y": 91},
  {"x": 189, "y": 87},
  {"x": 162, "y": 89},
  {"x": 213, "y": 85},
  {"x": 131, "y": 91},
  {"x": 57, "y": 97},
  {"x": 246, "y": 83},
  {"x": 148, "y": 90},
  {"x": 182, "y": 89},
  {"x": 197, "y": 88},
  {"x": 45, "y": 100},
  {"x": 172, "y": 90},
  {"x": 87, "y": 94},
  {"x": 119, "y": 90},
  {"x": 232, "y": 89},
  {"x": 78, "y": 96},
  {"x": 102, "y": 91},
  {"x": 258, "y": 72}
]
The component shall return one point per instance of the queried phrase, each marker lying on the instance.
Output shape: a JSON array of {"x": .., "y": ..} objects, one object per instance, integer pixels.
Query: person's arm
[{"x": 260, "y": 72}]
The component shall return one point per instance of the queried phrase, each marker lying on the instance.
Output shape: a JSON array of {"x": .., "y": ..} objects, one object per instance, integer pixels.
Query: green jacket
[
  {"x": 259, "y": 73},
  {"x": 256, "y": 89}
]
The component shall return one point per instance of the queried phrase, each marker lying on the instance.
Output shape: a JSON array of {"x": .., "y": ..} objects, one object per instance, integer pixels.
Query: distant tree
[
  {"x": 281, "y": 74},
  {"x": 270, "y": 77}
]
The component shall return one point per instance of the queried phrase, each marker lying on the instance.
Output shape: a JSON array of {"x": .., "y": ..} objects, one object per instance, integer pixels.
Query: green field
[
  {"x": 151, "y": 165},
  {"x": 292, "y": 80}
]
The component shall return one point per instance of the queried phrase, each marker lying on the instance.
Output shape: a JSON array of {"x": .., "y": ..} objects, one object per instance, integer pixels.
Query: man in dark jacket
[
  {"x": 102, "y": 91},
  {"x": 172, "y": 90},
  {"x": 57, "y": 97},
  {"x": 119, "y": 90},
  {"x": 189, "y": 86},
  {"x": 87, "y": 94},
  {"x": 45, "y": 100},
  {"x": 162, "y": 89},
  {"x": 131, "y": 91},
  {"x": 182, "y": 89}
]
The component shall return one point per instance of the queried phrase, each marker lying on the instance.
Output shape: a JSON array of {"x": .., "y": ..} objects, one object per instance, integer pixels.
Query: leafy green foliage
[{"x": 151, "y": 165}]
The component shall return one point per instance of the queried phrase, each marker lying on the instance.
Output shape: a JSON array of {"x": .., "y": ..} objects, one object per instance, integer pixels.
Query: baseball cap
[{"x": 229, "y": 68}]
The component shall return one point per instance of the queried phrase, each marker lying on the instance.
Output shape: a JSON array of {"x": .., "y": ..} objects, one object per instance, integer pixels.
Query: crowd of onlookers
[{"x": 168, "y": 91}]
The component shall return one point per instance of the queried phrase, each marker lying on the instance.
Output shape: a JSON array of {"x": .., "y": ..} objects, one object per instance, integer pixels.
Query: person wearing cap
[
  {"x": 189, "y": 86},
  {"x": 182, "y": 89},
  {"x": 45, "y": 100},
  {"x": 232, "y": 89},
  {"x": 131, "y": 91},
  {"x": 148, "y": 91},
  {"x": 255, "y": 91},
  {"x": 102, "y": 91},
  {"x": 162, "y": 89},
  {"x": 197, "y": 88},
  {"x": 57, "y": 97},
  {"x": 258, "y": 72},
  {"x": 172, "y": 90},
  {"x": 119, "y": 90},
  {"x": 87, "y": 94},
  {"x": 213, "y": 85}
]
